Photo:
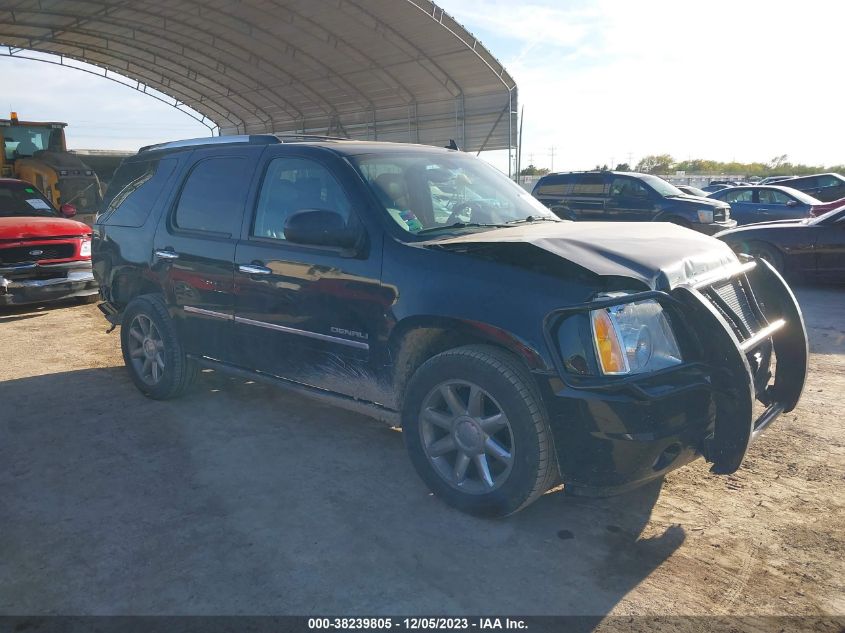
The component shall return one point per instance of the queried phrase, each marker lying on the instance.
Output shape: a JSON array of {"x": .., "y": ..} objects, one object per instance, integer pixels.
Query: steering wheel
[{"x": 476, "y": 213}]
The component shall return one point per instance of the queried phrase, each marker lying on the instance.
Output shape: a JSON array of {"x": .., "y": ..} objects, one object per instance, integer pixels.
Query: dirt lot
[{"x": 243, "y": 499}]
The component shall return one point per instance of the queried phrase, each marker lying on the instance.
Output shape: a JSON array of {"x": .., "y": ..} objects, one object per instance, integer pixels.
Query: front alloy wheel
[
  {"x": 467, "y": 437},
  {"x": 477, "y": 431}
]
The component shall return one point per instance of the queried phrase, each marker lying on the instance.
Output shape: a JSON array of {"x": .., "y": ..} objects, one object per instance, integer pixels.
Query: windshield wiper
[
  {"x": 456, "y": 225},
  {"x": 532, "y": 218},
  {"x": 463, "y": 225}
]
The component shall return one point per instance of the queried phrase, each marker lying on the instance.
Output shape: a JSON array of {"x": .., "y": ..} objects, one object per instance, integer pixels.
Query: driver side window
[
  {"x": 627, "y": 188},
  {"x": 291, "y": 185},
  {"x": 773, "y": 196}
]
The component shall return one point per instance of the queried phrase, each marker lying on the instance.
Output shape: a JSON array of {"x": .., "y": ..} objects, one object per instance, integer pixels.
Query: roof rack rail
[
  {"x": 255, "y": 139},
  {"x": 283, "y": 136}
]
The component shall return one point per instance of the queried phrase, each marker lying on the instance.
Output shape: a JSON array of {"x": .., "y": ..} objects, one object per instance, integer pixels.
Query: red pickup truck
[{"x": 44, "y": 255}]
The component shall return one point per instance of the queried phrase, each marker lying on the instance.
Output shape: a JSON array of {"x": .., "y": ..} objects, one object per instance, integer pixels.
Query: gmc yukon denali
[{"x": 516, "y": 350}]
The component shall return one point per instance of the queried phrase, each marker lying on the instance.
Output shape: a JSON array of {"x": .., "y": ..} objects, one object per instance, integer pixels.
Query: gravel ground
[{"x": 243, "y": 499}]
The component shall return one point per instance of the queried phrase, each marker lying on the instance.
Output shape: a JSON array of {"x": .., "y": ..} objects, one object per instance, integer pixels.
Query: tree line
[{"x": 665, "y": 164}]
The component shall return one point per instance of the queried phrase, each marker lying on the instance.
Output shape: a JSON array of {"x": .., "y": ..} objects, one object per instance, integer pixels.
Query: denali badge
[
  {"x": 36, "y": 253},
  {"x": 340, "y": 330}
]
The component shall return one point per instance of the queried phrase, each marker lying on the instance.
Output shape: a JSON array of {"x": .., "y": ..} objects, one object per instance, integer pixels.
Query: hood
[
  {"x": 658, "y": 254},
  {"x": 22, "y": 228},
  {"x": 701, "y": 200}
]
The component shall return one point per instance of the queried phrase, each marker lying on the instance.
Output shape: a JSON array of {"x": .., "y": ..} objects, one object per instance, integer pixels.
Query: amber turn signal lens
[{"x": 608, "y": 347}]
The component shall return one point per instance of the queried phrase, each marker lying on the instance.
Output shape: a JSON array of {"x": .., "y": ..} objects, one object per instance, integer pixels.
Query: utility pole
[
  {"x": 552, "y": 154},
  {"x": 631, "y": 160}
]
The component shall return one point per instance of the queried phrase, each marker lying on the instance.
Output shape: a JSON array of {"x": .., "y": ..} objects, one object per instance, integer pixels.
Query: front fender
[{"x": 472, "y": 332}]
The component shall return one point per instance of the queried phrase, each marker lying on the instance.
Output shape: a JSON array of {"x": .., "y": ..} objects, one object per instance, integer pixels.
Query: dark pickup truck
[
  {"x": 611, "y": 196},
  {"x": 422, "y": 287}
]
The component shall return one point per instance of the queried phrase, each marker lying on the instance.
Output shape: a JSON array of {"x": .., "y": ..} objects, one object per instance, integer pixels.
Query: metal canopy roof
[{"x": 391, "y": 70}]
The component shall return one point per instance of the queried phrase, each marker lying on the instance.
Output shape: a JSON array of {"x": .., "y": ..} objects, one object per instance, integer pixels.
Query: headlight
[
  {"x": 634, "y": 338},
  {"x": 705, "y": 216},
  {"x": 85, "y": 249}
]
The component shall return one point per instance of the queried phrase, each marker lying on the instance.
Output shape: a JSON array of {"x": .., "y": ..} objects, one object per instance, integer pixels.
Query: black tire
[
  {"x": 510, "y": 387},
  {"x": 762, "y": 250},
  {"x": 179, "y": 371}
]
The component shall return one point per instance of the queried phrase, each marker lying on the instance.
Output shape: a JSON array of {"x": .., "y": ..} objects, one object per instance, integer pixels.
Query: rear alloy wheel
[
  {"x": 152, "y": 351},
  {"x": 477, "y": 432},
  {"x": 146, "y": 349}
]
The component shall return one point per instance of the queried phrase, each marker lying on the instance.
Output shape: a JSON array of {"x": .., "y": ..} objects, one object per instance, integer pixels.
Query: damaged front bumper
[
  {"x": 749, "y": 345},
  {"x": 35, "y": 283},
  {"x": 739, "y": 355}
]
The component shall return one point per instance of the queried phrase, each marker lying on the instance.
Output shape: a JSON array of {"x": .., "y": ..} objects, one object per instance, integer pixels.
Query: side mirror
[
  {"x": 319, "y": 227},
  {"x": 68, "y": 210},
  {"x": 792, "y": 203}
]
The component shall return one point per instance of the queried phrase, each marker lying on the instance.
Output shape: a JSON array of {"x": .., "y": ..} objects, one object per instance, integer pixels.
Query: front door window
[{"x": 292, "y": 185}]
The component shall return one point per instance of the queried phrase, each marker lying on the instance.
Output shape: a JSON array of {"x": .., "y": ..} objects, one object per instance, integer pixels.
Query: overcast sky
[{"x": 601, "y": 81}]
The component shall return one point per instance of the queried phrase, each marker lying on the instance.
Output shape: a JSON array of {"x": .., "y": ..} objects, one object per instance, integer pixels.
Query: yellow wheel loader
[{"x": 36, "y": 152}]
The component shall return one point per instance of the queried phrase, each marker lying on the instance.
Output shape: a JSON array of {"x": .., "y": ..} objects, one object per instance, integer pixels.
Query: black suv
[
  {"x": 824, "y": 187},
  {"x": 629, "y": 197},
  {"x": 421, "y": 286}
]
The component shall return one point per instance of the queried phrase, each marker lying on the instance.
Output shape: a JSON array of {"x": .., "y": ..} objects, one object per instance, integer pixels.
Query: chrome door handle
[
  {"x": 163, "y": 254},
  {"x": 254, "y": 269}
]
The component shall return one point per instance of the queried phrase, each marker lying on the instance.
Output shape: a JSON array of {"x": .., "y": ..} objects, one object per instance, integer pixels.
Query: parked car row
[
  {"x": 776, "y": 222},
  {"x": 823, "y": 187}
]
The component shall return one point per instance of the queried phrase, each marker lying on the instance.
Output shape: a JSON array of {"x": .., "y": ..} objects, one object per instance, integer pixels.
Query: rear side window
[
  {"x": 212, "y": 198},
  {"x": 807, "y": 183},
  {"x": 557, "y": 185},
  {"x": 589, "y": 185},
  {"x": 829, "y": 181},
  {"x": 135, "y": 189},
  {"x": 738, "y": 195}
]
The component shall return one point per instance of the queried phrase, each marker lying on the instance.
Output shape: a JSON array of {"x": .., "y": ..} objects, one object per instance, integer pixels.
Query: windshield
[
  {"x": 426, "y": 192},
  {"x": 694, "y": 191},
  {"x": 21, "y": 200},
  {"x": 22, "y": 141},
  {"x": 661, "y": 186}
]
